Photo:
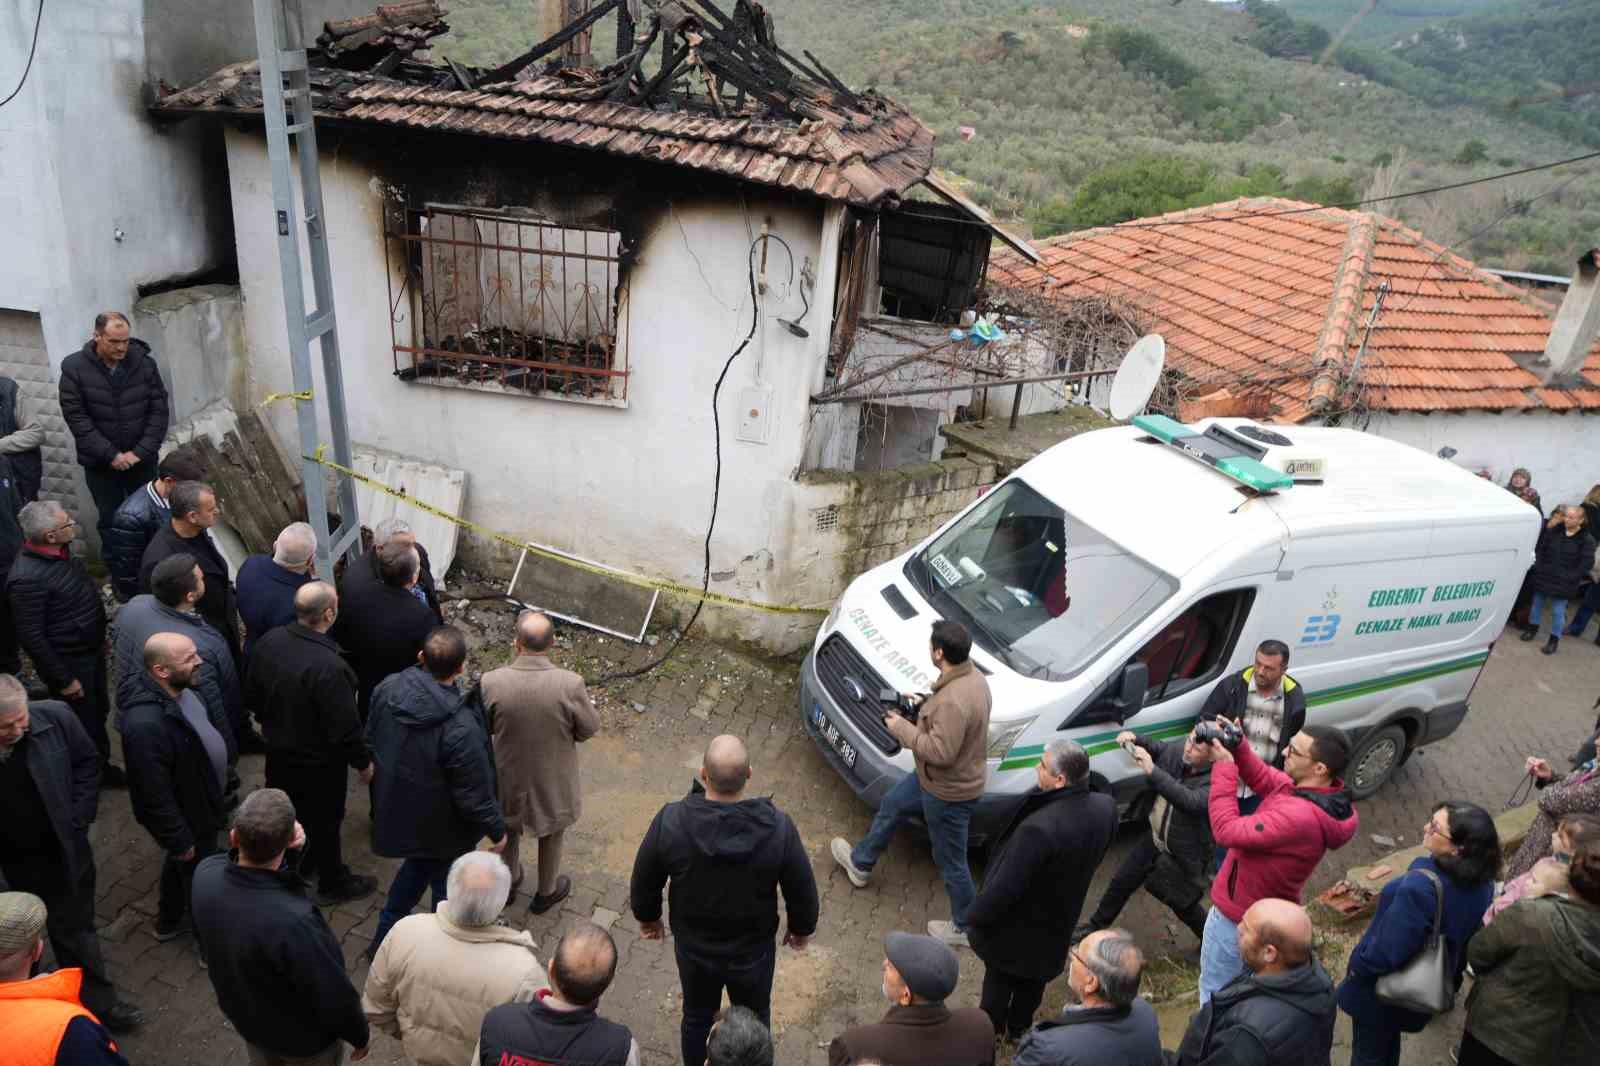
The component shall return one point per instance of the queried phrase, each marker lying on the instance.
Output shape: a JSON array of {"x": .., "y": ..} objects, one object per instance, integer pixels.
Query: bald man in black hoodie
[{"x": 726, "y": 857}]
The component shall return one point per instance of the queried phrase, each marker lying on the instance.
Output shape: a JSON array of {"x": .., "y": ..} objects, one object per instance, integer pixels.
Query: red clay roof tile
[{"x": 1243, "y": 296}]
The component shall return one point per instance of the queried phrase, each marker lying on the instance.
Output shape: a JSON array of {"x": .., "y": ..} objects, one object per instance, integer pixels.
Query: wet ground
[{"x": 655, "y": 728}]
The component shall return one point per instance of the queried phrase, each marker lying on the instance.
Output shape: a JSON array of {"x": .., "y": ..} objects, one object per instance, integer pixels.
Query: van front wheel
[{"x": 1374, "y": 760}]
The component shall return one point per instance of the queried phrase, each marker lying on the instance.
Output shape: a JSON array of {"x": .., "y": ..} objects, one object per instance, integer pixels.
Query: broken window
[
  {"x": 931, "y": 260},
  {"x": 509, "y": 301}
]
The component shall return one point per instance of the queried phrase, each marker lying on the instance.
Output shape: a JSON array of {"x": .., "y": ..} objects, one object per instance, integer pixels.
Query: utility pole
[{"x": 291, "y": 132}]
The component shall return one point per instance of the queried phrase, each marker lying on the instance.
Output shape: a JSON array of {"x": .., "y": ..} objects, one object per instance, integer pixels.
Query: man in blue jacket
[
  {"x": 138, "y": 518},
  {"x": 267, "y": 583},
  {"x": 433, "y": 792}
]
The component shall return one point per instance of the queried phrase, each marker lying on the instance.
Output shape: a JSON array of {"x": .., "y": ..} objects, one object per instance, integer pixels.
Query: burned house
[{"x": 544, "y": 270}]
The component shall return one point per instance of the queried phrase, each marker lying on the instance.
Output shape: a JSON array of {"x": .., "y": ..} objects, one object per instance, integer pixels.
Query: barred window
[{"x": 508, "y": 302}]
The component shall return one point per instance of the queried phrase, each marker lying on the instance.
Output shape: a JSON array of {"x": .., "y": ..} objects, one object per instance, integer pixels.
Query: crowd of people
[{"x": 361, "y": 677}]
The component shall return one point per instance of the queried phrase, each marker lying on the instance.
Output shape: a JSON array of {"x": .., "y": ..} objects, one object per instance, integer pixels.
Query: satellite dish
[{"x": 1138, "y": 376}]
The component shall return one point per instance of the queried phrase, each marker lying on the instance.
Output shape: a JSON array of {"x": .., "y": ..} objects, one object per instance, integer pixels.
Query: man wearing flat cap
[
  {"x": 42, "y": 1017},
  {"x": 919, "y": 974}
]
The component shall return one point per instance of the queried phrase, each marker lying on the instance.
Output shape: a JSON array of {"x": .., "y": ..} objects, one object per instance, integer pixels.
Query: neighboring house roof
[
  {"x": 787, "y": 126},
  {"x": 1265, "y": 312}
]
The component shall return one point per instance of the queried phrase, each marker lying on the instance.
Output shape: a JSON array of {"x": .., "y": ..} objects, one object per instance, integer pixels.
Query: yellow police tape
[
  {"x": 663, "y": 586},
  {"x": 274, "y": 397}
]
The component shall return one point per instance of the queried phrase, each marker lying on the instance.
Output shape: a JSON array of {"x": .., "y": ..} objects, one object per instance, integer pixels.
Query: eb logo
[{"x": 1319, "y": 629}]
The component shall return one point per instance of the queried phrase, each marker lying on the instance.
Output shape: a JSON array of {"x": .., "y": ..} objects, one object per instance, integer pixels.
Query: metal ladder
[{"x": 286, "y": 105}]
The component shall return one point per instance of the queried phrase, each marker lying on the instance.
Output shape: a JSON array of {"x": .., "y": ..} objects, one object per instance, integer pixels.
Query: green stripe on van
[
  {"x": 1363, "y": 688},
  {"x": 1021, "y": 758}
]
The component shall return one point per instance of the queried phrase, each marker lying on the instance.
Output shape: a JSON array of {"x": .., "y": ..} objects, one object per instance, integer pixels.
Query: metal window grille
[
  {"x": 511, "y": 303},
  {"x": 827, "y": 518}
]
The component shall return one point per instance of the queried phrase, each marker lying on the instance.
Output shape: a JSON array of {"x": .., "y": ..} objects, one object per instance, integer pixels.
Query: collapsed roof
[{"x": 692, "y": 87}]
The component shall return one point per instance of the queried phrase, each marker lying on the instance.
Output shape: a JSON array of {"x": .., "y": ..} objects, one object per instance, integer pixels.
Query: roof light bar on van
[{"x": 1214, "y": 452}]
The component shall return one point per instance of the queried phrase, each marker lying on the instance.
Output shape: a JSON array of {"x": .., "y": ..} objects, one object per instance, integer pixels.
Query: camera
[
  {"x": 1229, "y": 734},
  {"x": 902, "y": 704}
]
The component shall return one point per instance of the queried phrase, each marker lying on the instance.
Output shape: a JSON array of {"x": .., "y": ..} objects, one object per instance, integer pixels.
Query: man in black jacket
[
  {"x": 305, "y": 695},
  {"x": 20, "y": 470},
  {"x": 381, "y": 624},
  {"x": 1034, "y": 888},
  {"x": 1281, "y": 1011},
  {"x": 1270, "y": 706},
  {"x": 397, "y": 531},
  {"x": 1172, "y": 860},
  {"x": 11, "y": 540},
  {"x": 433, "y": 792},
  {"x": 562, "y": 1024},
  {"x": 49, "y": 792},
  {"x": 194, "y": 512},
  {"x": 115, "y": 404},
  {"x": 139, "y": 517},
  {"x": 61, "y": 622},
  {"x": 178, "y": 748},
  {"x": 21, "y": 435},
  {"x": 726, "y": 857},
  {"x": 276, "y": 966}
]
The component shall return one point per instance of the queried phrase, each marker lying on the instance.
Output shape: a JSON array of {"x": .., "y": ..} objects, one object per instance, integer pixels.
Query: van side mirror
[{"x": 1129, "y": 698}]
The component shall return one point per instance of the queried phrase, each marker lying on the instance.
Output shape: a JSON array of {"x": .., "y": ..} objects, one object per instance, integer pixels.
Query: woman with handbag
[
  {"x": 1415, "y": 949},
  {"x": 1535, "y": 997}
]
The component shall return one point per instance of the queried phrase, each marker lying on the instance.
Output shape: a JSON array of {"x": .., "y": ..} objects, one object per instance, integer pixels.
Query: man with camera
[
  {"x": 1267, "y": 703},
  {"x": 1305, "y": 811},
  {"x": 1171, "y": 862},
  {"x": 949, "y": 738}
]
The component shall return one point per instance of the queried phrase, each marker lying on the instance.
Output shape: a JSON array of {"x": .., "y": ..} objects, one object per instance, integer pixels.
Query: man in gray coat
[
  {"x": 538, "y": 715},
  {"x": 1105, "y": 1021},
  {"x": 176, "y": 585}
]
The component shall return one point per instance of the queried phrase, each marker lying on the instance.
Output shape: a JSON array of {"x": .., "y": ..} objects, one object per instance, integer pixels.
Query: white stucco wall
[
  {"x": 1561, "y": 450},
  {"x": 627, "y": 486},
  {"x": 80, "y": 160}
]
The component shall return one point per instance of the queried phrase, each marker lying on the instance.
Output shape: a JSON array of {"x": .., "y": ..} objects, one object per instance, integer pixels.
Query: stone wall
[{"x": 882, "y": 514}]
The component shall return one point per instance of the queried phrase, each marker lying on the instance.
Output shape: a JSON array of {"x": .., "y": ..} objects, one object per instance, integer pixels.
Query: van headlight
[{"x": 1004, "y": 734}]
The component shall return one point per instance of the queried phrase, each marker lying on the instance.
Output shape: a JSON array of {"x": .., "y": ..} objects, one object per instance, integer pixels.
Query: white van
[{"x": 1111, "y": 581}]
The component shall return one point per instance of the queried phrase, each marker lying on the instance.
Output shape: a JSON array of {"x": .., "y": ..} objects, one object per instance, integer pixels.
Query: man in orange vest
[{"x": 42, "y": 1018}]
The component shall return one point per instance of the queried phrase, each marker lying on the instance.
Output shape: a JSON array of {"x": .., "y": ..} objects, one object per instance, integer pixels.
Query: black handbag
[{"x": 1425, "y": 984}]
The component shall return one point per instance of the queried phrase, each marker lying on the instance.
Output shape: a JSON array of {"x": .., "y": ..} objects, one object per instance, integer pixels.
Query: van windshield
[{"x": 1043, "y": 590}]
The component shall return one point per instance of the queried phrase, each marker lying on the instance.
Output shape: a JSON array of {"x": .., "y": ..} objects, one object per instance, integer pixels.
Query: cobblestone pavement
[{"x": 655, "y": 729}]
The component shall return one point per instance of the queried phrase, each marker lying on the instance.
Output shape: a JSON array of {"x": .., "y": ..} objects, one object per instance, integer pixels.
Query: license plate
[{"x": 830, "y": 732}]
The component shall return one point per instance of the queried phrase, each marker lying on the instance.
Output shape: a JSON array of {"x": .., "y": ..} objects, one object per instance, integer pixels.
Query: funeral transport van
[{"x": 1111, "y": 581}]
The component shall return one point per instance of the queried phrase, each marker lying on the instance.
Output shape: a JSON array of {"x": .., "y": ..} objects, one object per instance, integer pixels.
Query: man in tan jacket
[
  {"x": 438, "y": 974},
  {"x": 949, "y": 742},
  {"x": 538, "y": 715}
]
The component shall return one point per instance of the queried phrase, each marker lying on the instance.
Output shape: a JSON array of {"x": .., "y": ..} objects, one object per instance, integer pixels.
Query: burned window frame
[{"x": 500, "y": 359}]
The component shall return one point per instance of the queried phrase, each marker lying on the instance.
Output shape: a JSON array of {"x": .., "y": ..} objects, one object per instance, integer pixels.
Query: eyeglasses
[
  {"x": 1290, "y": 749},
  {"x": 64, "y": 526},
  {"x": 1431, "y": 830}
]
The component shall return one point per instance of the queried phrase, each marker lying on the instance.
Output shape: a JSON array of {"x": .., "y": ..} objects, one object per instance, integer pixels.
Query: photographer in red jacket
[{"x": 1305, "y": 811}]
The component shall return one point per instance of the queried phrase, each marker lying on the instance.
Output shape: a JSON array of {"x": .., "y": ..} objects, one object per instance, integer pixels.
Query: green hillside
[
  {"x": 1388, "y": 20},
  {"x": 1527, "y": 61},
  {"x": 1072, "y": 99}
]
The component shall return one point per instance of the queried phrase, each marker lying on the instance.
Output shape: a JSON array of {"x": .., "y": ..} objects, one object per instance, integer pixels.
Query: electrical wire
[
  {"x": 1309, "y": 209},
  {"x": 38, "y": 20},
  {"x": 716, "y": 480},
  {"x": 1516, "y": 208}
]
